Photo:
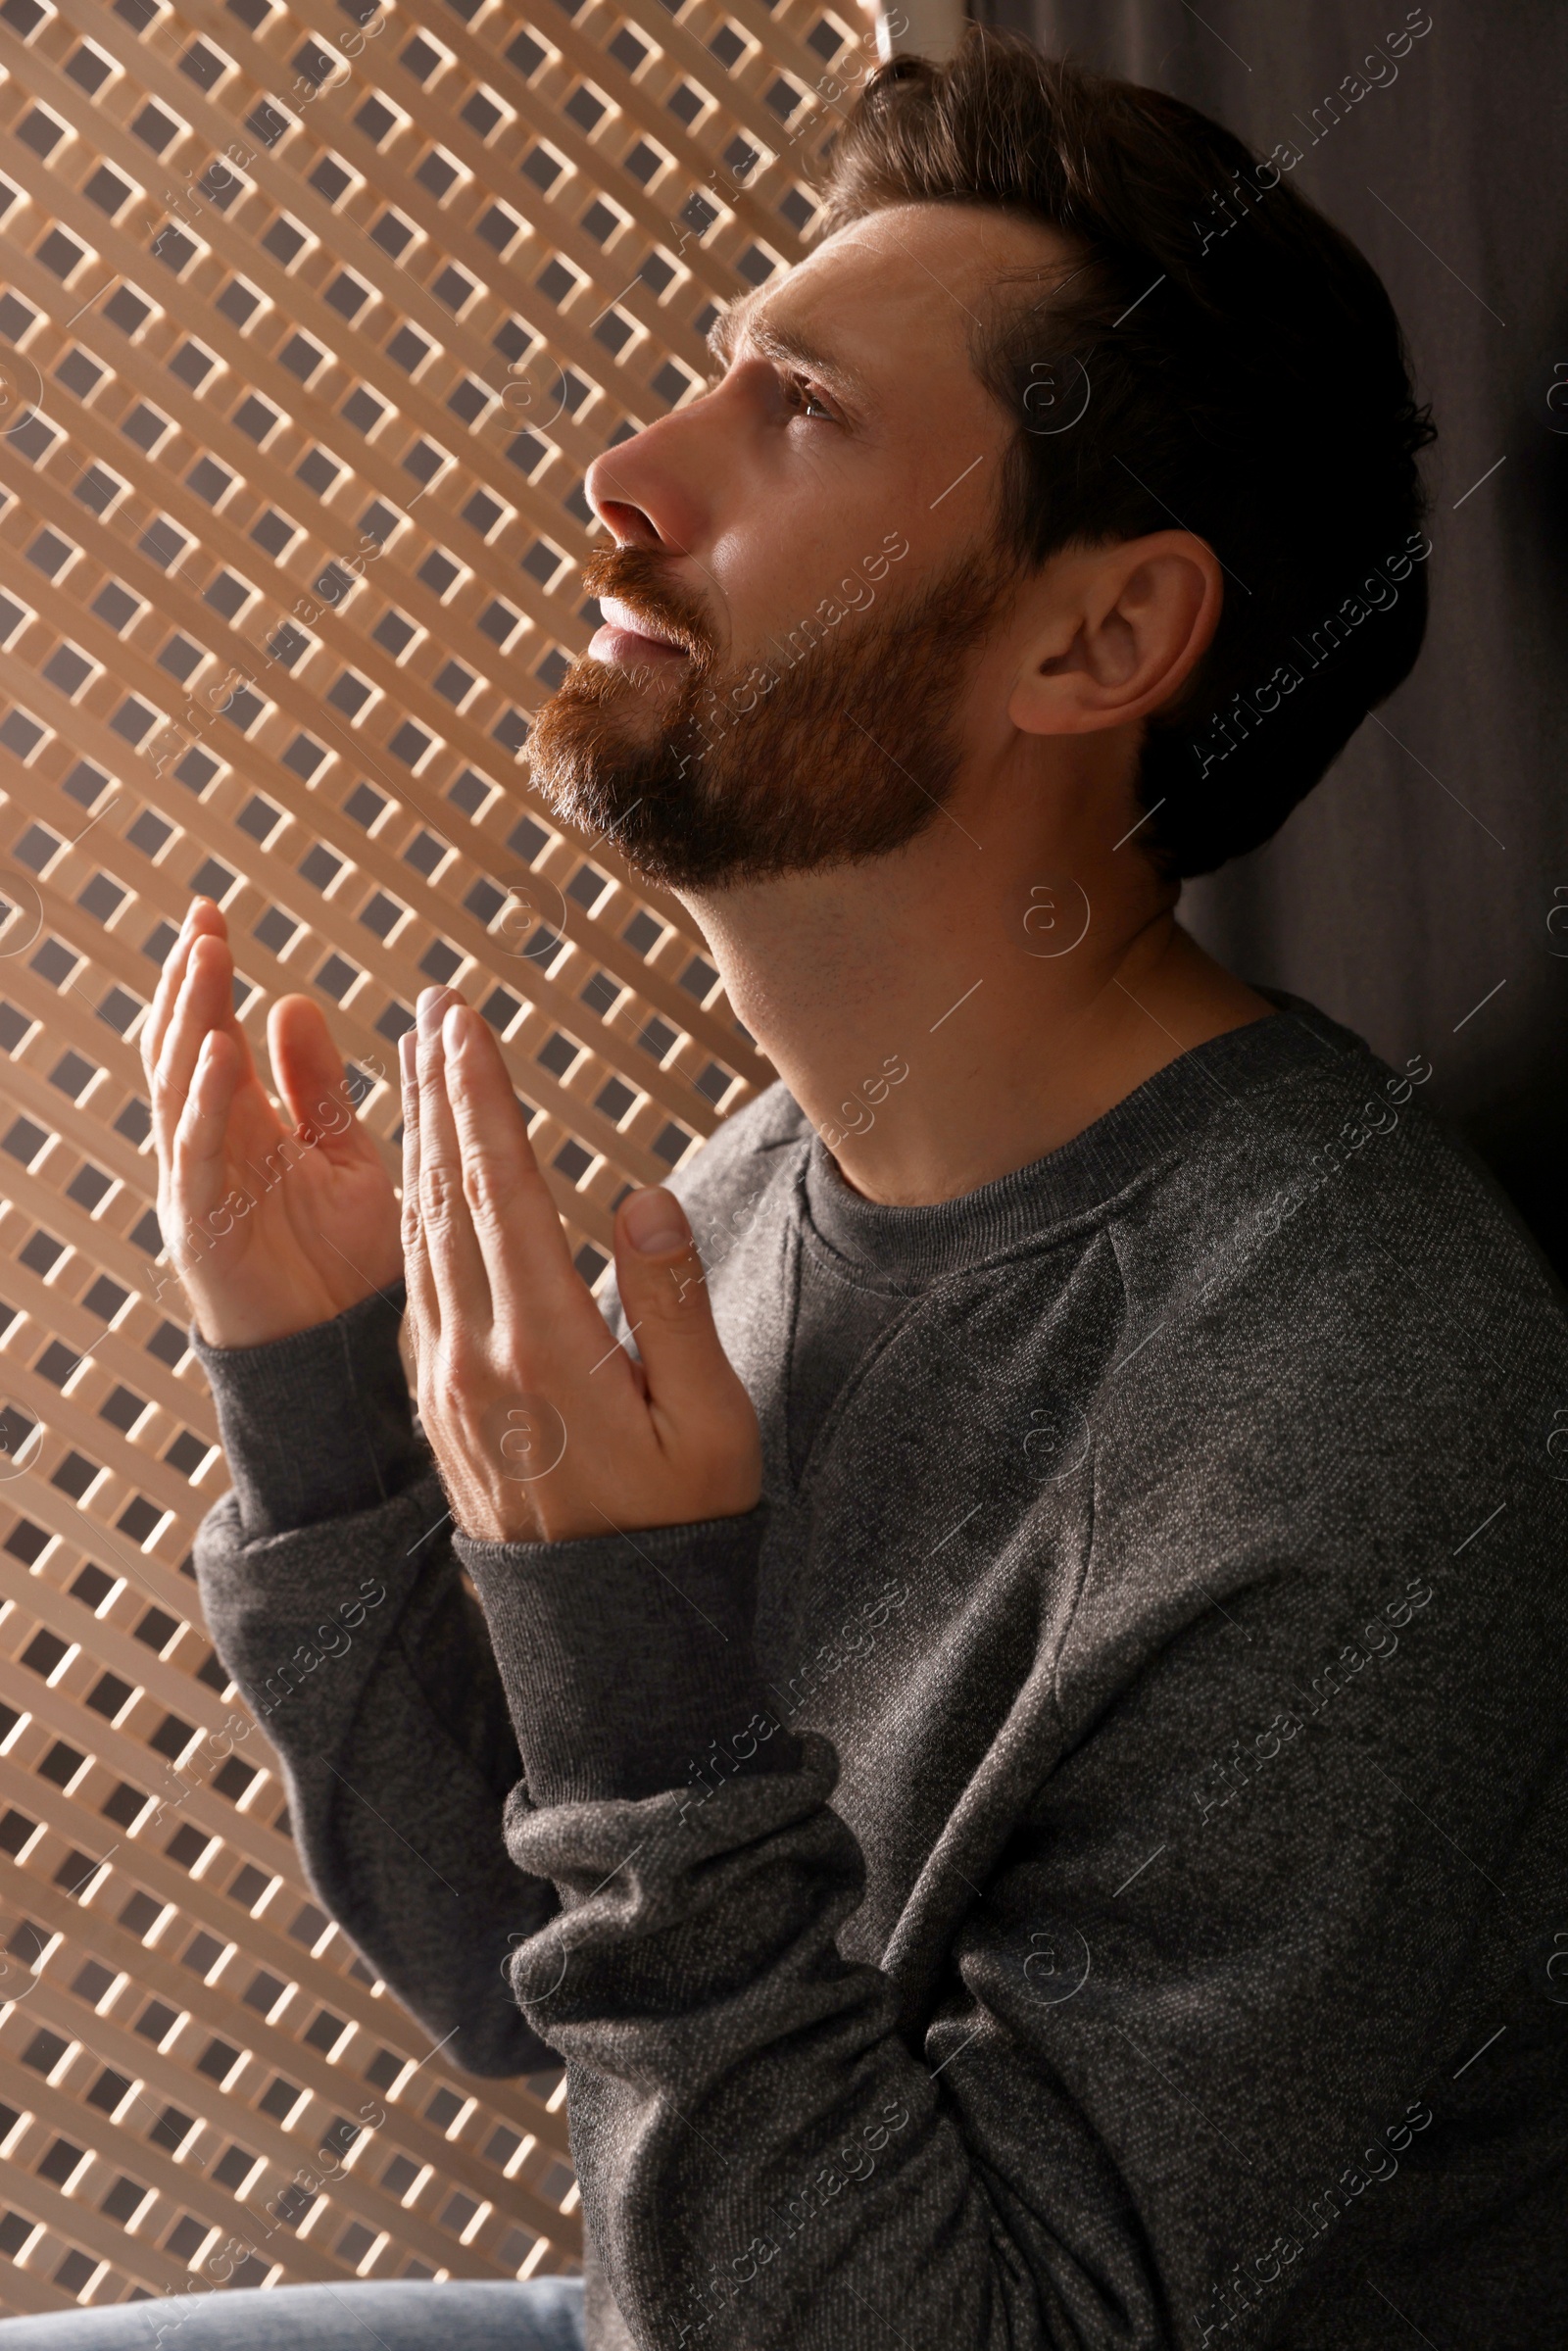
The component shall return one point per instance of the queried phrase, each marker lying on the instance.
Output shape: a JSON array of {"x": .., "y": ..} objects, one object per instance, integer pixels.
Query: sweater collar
[{"x": 904, "y": 1246}]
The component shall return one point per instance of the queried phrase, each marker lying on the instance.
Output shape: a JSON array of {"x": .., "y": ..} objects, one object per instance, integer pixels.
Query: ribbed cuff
[
  {"x": 320, "y": 1424},
  {"x": 627, "y": 1659}
]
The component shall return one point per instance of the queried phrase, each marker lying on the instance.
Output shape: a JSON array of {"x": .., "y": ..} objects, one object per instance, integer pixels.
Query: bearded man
[{"x": 1006, "y": 1730}]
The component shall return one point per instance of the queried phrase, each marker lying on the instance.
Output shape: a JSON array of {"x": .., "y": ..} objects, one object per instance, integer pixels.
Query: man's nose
[
  {"x": 628, "y": 524},
  {"x": 647, "y": 491}
]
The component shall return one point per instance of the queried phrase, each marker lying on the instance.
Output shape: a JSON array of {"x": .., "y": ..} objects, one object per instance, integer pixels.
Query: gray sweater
[{"x": 1082, "y": 1863}]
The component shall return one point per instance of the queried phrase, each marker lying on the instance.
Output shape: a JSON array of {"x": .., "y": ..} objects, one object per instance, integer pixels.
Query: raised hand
[
  {"x": 270, "y": 1227},
  {"x": 544, "y": 1428}
]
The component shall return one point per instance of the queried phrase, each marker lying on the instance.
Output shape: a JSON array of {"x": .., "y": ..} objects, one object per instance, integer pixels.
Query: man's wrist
[
  {"x": 319, "y": 1423},
  {"x": 627, "y": 1656}
]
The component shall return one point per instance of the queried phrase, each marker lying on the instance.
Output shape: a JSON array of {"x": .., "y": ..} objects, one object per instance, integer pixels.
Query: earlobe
[{"x": 1121, "y": 629}]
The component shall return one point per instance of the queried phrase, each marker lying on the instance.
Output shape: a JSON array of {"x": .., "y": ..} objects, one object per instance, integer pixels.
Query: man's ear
[{"x": 1117, "y": 631}]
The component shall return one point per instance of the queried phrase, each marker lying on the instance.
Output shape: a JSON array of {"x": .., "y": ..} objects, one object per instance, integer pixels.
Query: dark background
[{"x": 1420, "y": 873}]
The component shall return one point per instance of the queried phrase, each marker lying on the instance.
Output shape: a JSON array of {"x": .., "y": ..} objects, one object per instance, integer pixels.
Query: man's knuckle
[
  {"x": 681, "y": 1293},
  {"x": 440, "y": 1194},
  {"x": 452, "y": 1370},
  {"x": 487, "y": 1186}
]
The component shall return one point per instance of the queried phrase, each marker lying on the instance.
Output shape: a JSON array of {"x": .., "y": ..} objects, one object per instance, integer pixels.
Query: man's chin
[{"x": 600, "y": 748}]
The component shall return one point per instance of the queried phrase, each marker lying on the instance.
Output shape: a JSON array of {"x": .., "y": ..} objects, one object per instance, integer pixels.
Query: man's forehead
[{"x": 918, "y": 269}]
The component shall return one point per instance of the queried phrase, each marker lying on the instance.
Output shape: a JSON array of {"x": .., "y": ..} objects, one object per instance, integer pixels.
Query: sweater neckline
[{"x": 904, "y": 1246}]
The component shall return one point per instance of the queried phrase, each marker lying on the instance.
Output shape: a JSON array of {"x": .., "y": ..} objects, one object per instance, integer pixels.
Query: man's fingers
[
  {"x": 204, "y": 1003},
  {"x": 201, "y": 917},
  {"x": 457, "y": 1264},
  {"x": 198, "y": 1152},
  {"x": 514, "y": 1220},
  {"x": 309, "y": 1068},
  {"x": 663, "y": 1291},
  {"x": 425, "y": 1315}
]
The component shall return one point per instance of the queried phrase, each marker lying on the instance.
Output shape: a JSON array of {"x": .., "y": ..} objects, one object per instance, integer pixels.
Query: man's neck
[{"x": 943, "y": 1016}]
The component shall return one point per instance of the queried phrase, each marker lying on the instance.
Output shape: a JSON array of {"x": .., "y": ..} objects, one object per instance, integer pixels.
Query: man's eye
[{"x": 808, "y": 402}]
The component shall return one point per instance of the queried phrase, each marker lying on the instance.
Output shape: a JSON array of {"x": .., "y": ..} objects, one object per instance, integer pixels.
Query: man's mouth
[{"x": 630, "y": 640}]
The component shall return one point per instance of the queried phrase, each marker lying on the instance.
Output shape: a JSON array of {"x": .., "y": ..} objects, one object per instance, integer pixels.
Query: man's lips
[{"x": 630, "y": 640}]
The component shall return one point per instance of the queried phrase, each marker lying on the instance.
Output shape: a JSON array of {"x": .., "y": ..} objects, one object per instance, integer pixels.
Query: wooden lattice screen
[{"x": 313, "y": 319}]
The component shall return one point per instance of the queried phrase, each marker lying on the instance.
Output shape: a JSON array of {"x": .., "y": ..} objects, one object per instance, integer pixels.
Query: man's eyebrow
[
  {"x": 725, "y": 331},
  {"x": 778, "y": 342}
]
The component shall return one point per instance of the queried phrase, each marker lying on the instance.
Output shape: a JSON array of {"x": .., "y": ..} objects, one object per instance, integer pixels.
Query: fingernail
[
  {"x": 656, "y": 1223},
  {"x": 409, "y": 1057},
  {"x": 431, "y": 1006}
]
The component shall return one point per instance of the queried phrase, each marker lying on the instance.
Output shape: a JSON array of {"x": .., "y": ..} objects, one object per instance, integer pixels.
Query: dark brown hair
[{"x": 1224, "y": 361}]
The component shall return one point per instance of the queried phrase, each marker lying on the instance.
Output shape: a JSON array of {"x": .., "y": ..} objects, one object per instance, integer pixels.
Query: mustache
[{"x": 636, "y": 575}]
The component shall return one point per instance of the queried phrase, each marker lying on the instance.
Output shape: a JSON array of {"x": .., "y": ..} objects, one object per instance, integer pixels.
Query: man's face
[{"x": 804, "y": 562}]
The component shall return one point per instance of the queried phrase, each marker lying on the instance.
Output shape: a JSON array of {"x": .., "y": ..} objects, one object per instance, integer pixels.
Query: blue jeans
[{"x": 395, "y": 2314}]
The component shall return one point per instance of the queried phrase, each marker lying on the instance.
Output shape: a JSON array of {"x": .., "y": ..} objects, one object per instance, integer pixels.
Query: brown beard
[{"x": 839, "y": 745}]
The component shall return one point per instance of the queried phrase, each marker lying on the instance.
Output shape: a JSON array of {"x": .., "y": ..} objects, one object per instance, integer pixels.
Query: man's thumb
[{"x": 663, "y": 1291}]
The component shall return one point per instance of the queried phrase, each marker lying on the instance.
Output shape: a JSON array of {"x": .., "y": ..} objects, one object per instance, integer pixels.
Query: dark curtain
[{"x": 1413, "y": 893}]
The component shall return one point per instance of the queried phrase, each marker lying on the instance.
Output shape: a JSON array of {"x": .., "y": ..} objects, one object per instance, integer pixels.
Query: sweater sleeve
[
  {"x": 759, "y": 2150},
  {"x": 1166, "y": 2026},
  {"x": 336, "y": 1602}
]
